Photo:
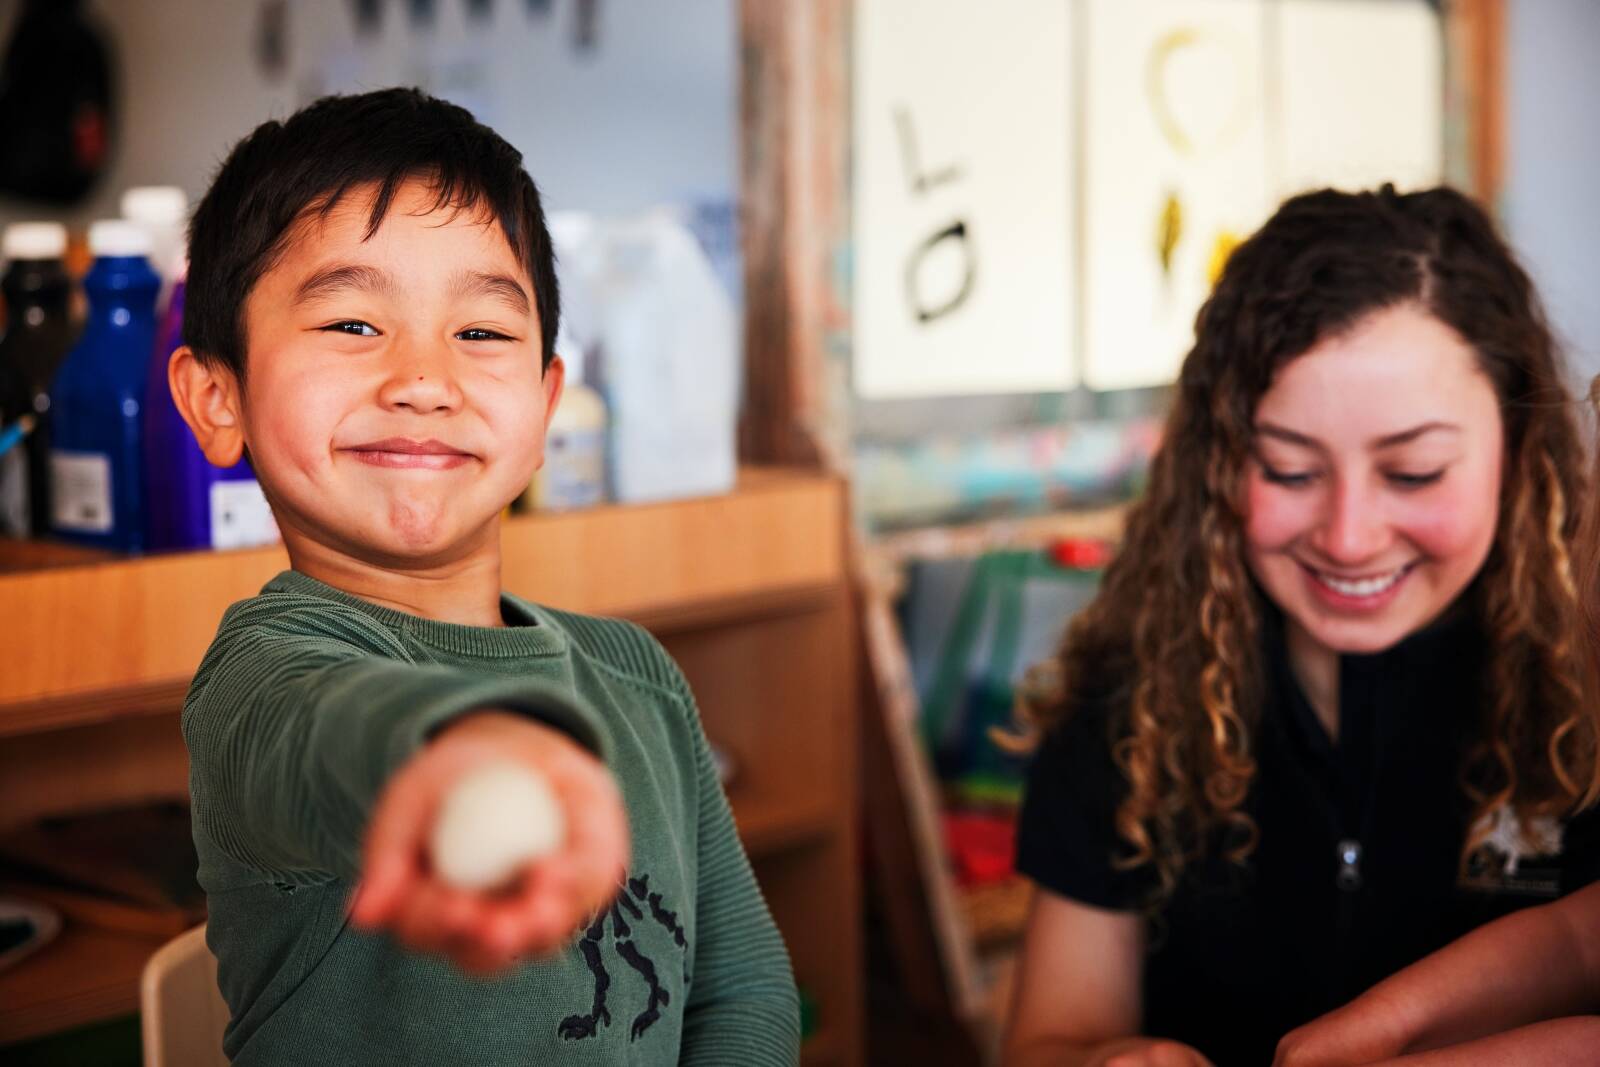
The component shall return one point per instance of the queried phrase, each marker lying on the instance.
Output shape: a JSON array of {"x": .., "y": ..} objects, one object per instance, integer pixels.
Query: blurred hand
[
  {"x": 1149, "y": 1052},
  {"x": 486, "y": 932},
  {"x": 1367, "y": 1030}
]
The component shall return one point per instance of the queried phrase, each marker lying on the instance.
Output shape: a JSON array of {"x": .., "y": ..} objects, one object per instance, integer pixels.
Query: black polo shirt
[{"x": 1355, "y": 874}]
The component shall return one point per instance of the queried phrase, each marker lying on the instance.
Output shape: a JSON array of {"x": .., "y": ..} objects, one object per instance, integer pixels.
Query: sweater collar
[{"x": 529, "y": 630}]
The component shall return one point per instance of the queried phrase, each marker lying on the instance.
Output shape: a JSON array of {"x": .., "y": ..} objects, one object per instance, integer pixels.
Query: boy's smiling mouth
[{"x": 405, "y": 452}]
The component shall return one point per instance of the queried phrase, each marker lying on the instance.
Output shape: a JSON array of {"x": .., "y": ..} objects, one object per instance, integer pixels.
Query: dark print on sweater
[{"x": 637, "y": 903}]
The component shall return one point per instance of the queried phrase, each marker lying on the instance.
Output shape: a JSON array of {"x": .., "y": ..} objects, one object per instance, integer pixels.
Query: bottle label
[
  {"x": 15, "y": 509},
  {"x": 574, "y": 473},
  {"x": 240, "y": 515},
  {"x": 81, "y": 492}
]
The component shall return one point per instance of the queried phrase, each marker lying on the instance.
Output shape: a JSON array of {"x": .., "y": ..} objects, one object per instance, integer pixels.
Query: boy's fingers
[
  {"x": 380, "y": 891},
  {"x": 427, "y": 920},
  {"x": 597, "y": 842},
  {"x": 548, "y": 910},
  {"x": 392, "y": 853},
  {"x": 459, "y": 914}
]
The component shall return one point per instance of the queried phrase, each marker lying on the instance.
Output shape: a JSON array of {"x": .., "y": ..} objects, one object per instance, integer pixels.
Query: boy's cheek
[{"x": 287, "y": 439}]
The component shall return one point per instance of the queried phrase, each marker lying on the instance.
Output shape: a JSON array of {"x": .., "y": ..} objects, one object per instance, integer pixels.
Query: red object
[
  {"x": 1079, "y": 553},
  {"x": 982, "y": 845}
]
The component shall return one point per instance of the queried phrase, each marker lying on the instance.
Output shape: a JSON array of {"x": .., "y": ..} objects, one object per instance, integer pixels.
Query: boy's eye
[
  {"x": 353, "y": 327},
  {"x": 1291, "y": 479},
  {"x": 477, "y": 333},
  {"x": 1406, "y": 480}
]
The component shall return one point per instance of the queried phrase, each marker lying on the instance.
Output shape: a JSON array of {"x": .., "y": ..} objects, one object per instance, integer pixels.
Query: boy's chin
[{"x": 415, "y": 537}]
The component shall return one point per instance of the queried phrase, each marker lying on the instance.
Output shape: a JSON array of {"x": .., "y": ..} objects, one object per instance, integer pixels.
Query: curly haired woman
[
  {"x": 1524, "y": 989},
  {"x": 1326, "y": 714}
]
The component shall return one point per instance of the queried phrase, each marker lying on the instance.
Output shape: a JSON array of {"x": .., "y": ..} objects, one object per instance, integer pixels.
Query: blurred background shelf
[
  {"x": 748, "y": 591},
  {"x": 84, "y": 976},
  {"x": 997, "y": 913},
  {"x": 822, "y": 1049},
  {"x": 106, "y": 636},
  {"x": 769, "y": 825}
]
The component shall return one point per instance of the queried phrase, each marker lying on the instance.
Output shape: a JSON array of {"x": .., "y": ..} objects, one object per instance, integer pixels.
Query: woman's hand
[
  {"x": 1368, "y": 1029},
  {"x": 1148, "y": 1052},
  {"x": 485, "y": 932}
]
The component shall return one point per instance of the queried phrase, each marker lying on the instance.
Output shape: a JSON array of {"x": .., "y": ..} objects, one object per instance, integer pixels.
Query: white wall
[
  {"x": 649, "y": 115},
  {"x": 1552, "y": 195}
]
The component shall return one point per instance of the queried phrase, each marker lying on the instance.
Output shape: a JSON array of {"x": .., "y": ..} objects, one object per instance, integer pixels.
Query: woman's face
[{"x": 1374, "y": 488}]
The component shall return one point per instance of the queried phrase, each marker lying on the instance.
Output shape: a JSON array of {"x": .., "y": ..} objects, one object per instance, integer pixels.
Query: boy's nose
[{"x": 421, "y": 384}]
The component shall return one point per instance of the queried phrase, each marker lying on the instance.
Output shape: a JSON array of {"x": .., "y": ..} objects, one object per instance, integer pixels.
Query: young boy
[{"x": 371, "y": 308}]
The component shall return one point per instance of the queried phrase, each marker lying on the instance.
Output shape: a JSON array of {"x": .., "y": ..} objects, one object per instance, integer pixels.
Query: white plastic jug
[{"x": 664, "y": 351}]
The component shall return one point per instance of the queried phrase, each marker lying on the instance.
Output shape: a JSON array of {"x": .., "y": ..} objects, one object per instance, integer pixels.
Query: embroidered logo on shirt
[
  {"x": 632, "y": 900},
  {"x": 1502, "y": 864}
]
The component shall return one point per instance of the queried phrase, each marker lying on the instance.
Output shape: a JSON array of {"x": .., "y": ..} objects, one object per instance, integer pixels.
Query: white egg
[{"x": 492, "y": 823}]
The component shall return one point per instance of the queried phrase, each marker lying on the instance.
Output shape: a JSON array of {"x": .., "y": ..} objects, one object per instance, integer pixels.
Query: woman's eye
[
  {"x": 478, "y": 334},
  {"x": 1291, "y": 479},
  {"x": 1407, "y": 480},
  {"x": 353, "y": 327}
]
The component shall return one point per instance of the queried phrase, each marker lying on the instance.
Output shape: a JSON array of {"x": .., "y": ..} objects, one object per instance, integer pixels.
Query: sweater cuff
[{"x": 538, "y": 701}]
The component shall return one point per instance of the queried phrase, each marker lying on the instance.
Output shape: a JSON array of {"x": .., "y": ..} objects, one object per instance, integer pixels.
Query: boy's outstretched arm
[
  {"x": 743, "y": 1008},
  {"x": 1534, "y": 965},
  {"x": 293, "y": 740}
]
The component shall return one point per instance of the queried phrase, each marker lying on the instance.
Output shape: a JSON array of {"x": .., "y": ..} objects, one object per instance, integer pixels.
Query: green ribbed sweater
[{"x": 308, "y": 699}]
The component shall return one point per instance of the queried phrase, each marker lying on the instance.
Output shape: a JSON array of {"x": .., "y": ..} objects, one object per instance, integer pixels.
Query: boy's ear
[
  {"x": 552, "y": 381},
  {"x": 207, "y": 396}
]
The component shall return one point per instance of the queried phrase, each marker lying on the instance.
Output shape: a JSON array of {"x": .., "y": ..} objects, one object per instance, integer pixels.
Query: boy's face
[{"x": 394, "y": 403}]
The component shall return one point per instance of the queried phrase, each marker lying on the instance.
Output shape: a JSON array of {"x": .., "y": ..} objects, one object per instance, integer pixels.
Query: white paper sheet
[
  {"x": 1363, "y": 94},
  {"x": 963, "y": 195},
  {"x": 1175, "y": 170}
]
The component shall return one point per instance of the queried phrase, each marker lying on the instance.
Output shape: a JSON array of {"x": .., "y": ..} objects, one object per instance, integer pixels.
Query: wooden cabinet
[{"x": 748, "y": 591}]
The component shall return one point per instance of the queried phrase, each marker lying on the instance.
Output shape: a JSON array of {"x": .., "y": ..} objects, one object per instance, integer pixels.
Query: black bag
[{"x": 56, "y": 115}]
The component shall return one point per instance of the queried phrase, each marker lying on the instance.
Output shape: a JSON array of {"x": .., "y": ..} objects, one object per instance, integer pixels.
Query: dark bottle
[{"x": 39, "y": 332}]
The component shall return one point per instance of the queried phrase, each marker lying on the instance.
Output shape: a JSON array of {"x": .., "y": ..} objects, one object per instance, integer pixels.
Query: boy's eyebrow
[
  {"x": 333, "y": 279},
  {"x": 502, "y": 287}
]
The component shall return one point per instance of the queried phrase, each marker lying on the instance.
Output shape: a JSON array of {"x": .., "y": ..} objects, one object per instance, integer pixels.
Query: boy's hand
[{"x": 487, "y": 932}]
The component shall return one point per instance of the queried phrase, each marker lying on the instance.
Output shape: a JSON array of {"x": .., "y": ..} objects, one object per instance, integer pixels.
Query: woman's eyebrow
[
  {"x": 1392, "y": 440},
  {"x": 500, "y": 287},
  {"x": 1267, "y": 429},
  {"x": 343, "y": 276},
  {"x": 1405, "y": 437}
]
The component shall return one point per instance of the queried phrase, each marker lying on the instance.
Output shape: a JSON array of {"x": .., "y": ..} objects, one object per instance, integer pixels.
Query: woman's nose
[{"x": 1354, "y": 528}]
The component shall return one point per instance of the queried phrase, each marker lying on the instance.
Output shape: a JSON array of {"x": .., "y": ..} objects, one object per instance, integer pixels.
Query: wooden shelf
[
  {"x": 821, "y": 1048},
  {"x": 996, "y": 914},
  {"x": 85, "y": 975},
  {"x": 92, "y": 641},
  {"x": 768, "y": 825}
]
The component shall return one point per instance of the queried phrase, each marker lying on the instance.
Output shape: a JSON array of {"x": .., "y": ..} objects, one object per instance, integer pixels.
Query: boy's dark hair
[{"x": 310, "y": 161}]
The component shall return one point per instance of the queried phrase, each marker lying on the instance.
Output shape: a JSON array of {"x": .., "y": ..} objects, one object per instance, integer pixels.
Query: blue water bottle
[{"x": 96, "y": 402}]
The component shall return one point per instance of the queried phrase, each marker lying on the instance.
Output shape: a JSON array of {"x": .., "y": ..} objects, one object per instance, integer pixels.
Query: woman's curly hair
[{"x": 1178, "y": 615}]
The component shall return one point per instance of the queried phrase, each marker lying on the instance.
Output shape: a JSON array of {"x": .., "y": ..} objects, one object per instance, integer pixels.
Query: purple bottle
[{"x": 188, "y": 502}]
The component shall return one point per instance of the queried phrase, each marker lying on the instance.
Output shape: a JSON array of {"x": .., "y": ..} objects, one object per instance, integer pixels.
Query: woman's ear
[{"x": 208, "y": 398}]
